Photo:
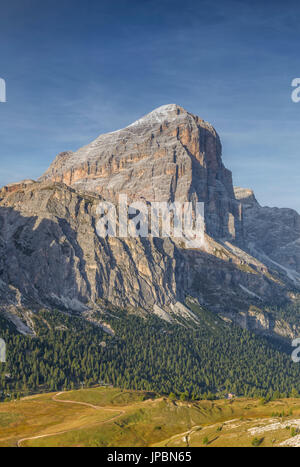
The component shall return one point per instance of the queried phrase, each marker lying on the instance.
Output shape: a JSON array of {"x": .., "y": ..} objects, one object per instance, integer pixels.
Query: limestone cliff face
[
  {"x": 52, "y": 257},
  {"x": 14, "y": 187},
  {"x": 168, "y": 155},
  {"x": 272, "y": 234},
  {"x": 50, "y": 254}
]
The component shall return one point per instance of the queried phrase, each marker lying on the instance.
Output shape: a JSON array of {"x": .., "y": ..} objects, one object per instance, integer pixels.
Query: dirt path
[
  {"x": 186, "y": 435},
  {"x": 96, "y": 407}
]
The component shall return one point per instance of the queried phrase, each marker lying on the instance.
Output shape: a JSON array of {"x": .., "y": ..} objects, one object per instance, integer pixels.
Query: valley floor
[{"x": 110, "y": 417}]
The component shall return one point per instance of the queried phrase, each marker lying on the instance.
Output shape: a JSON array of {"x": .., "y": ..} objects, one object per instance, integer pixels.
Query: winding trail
[{"x": 96, "y": 407}]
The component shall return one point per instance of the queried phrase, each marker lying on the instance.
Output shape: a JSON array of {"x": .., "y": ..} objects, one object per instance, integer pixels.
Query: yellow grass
[{"x": 112, "y": 417}]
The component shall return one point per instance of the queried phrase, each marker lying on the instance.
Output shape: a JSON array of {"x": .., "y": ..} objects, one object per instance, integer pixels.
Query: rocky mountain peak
[
  {"x": 163, "y": 113},
  {"x": 245, "y": 196},
  {"x": 167, "y": 155}
]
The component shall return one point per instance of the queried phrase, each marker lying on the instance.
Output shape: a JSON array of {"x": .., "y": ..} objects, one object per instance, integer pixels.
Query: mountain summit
[{"x": 168, "y": 155}]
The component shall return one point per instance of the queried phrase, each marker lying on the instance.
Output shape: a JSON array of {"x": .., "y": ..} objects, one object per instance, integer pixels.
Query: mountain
[
  {"x": 272, "y": 234},
  {"x": 168, "y": 155},
  {"x": 51, "y": 256}
]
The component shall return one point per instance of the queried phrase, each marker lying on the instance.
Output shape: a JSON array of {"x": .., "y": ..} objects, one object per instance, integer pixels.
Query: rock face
[
  {"x": 271, "y": 234},
  {"x": 14, "y": 187},
  {"x": 52, "y": 257},
  {"x": 168, "y": 155}
]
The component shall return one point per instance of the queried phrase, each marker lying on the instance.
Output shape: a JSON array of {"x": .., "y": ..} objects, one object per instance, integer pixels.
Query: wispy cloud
[{"x": 230, "y": 62}]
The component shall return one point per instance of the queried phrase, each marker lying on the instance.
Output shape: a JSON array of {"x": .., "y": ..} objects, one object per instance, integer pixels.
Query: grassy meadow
[{"x": 110, "y": 417}]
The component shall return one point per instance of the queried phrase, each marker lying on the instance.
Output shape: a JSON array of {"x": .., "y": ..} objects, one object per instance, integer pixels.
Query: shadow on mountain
[
  {"x": 43, "y": 260},
  {"x": 54, "y": 265}
]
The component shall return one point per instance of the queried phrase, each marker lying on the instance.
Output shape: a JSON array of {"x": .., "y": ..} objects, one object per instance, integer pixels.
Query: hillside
[
  {"x": 103, "y": 417},
  {"x": 212, "y": 358}
]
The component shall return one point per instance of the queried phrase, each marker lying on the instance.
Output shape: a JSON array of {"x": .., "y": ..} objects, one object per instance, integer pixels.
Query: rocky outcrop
[
  {"x": 11, "y": 187},
  {"x": 245, "y": 196}
]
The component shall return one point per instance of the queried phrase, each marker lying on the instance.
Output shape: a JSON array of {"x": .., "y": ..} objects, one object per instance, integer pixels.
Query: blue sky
[{"x": 75, "y": 69}]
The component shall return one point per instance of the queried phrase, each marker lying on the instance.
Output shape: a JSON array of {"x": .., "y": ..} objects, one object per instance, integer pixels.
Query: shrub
[{"x": 257, "y": 442}]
